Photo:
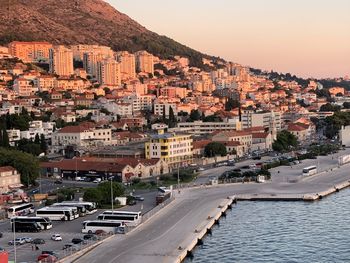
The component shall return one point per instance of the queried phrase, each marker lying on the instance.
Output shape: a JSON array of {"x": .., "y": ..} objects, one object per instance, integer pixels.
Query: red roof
[
  {"x": 200, "y": 144},
  {"x": 77, "y": 129},
  {"x": 232, "y": 143},
  {"x": 7, "y": 169},
  {"x": 296, "y": 127},
  {"x": 260, "y": 135}
]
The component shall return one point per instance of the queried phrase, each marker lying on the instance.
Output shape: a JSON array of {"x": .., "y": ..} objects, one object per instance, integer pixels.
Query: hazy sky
[{"x": 304, "y": 37}]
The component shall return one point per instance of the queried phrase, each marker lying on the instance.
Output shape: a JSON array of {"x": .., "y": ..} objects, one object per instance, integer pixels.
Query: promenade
[{"x": 158, "y": 240}]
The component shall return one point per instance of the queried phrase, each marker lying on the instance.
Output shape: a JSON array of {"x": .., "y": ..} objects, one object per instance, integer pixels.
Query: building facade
[
  {"x": 175, "y": 149},
  {"x": 9, "y": 178},
  {"x": 61, "y": 61},
  {"x": 30, "y": 51},
  {"x": 108, "y": 72}
]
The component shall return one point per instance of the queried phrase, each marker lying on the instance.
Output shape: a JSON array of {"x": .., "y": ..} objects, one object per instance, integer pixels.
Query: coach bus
[{"x": 20, "y": 210}]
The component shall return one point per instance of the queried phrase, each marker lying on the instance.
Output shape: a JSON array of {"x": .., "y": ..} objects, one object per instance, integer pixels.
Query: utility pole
[{"x": 178, "y": 178}]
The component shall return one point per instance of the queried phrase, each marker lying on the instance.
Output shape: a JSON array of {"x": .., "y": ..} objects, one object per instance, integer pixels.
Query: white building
[{"x": 159, "y": 109}]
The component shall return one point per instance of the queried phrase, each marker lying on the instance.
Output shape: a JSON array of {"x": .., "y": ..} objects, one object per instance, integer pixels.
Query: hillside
[{"x": 86, "y": 22}]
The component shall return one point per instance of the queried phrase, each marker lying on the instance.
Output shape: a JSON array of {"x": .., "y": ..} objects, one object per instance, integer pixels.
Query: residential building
[
  {"x": 23, "y": 87},
  {"x": 108, "y": 72},
  {"x": 9, "y": 179},
  {"x": 344, "y": 135},
  {"x": 30, "y": 51},
  {"x": 244, "y": 138},
  {"x": 175, "y": 149},
  {"x": 270, "y": 120},
  {"x": 161, "y": 109},
  {"x": 79, "y": 50},
  {"x": 127, "y": 65},
  {"x": 61, "y": 61},
  {"x": 200, "y": 127},
  {"x": 144, "y": 62}
]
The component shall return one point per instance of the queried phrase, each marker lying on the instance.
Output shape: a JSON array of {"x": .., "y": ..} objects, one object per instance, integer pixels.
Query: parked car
[
  {"x": 38, "y": 241},
  {"x": 256, "y": 158},
  {"x": 28, "y": 239},
  {"x": 201, "y": 169},
  {"x": 70, "y": 246},
  {"x": 50, "y": 252},
  {"x": 56, "y": 237},
  {"x": 131, "y": 202},
  {"x": 2, "y": 249},
  {"x": 90, "y": 237},
  {"x": 78, "y": 241},
  {"x": 1, "y": 235},
  {"x": 139, "y": 198},
  {"x": 47, "y": 258},
  {"x": 17, "y": 241},
  {"x": 97, "y": 180},
  {"x": 58, "y": 182}
]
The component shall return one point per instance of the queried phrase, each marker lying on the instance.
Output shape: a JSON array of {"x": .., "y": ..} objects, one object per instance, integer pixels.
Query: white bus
[
  {"x": 107, "y": 226},
  {"x": 58, "y": 213},
  {"x": 44, "y": 222},
  {"x": 310, "y": 170},
  {"x": 127, "y": 217},
  {"x": 89, "y": 206},
  {"x": 20, "y": 210},
  {"x": 81, "y": 208}
]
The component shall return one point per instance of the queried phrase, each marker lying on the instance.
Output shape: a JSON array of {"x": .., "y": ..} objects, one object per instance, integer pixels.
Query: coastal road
[{"x": 157, "y": 240}]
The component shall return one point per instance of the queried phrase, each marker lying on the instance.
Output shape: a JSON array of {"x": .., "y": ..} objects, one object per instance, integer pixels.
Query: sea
[{"x": 278, "y": 232}]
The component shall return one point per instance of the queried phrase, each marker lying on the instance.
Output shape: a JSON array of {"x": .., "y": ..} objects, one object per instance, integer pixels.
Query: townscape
[{"x": 95, "y": 142}]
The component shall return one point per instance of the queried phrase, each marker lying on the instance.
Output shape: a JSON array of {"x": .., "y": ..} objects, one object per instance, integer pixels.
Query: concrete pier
[{"x": 202, "y": 229}]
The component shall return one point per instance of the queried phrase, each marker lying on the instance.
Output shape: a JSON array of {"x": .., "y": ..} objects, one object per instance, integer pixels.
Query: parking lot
[{"x": 67, "y": 229}]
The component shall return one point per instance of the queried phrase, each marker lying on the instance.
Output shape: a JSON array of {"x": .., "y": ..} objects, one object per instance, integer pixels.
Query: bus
[
  {"x": 310, "y": 170},
  {"x": 108, "y": 226},
  {"x": 20, "y": 210},
  {"x": 128, "y": 217},
  {"x": 44, "y": 222},
  {"x": 18, "y": 226},
  {"x": 89, "y": 206},
  {"x": 81, "y": 208},
  {"x": 58, "y": 213}
]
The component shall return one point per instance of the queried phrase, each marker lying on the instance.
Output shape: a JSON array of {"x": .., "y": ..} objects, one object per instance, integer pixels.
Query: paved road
[{"x": 158, "y": 239}]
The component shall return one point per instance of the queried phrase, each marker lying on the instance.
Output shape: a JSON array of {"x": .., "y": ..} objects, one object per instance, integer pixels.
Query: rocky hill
[{"x": 83, "y": 21}]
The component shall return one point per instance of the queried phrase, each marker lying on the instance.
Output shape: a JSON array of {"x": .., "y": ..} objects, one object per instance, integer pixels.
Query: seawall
[{"x": 195, "y": 237}]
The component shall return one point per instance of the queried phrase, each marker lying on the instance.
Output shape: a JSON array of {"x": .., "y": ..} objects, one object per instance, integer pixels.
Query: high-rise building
[
  {"x": 108, "y": 72},
  {"x": 30, "y": 51},
  {"x": 61, "y": 61},
  {"x": 79, "y": 50},
  {"x": 127, "y": 65},
  {"x": 144, "y": 62},
  {"x": 90, "y": 61}
]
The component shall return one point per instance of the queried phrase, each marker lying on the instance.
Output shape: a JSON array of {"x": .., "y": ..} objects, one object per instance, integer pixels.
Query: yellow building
[
  {"x": 30, "y": 51},
  {"x": 175, "y": 149}
]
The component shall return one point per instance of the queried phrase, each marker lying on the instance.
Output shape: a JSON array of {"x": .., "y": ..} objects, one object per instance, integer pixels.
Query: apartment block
[
  {"x": 127, "y": 65},
  {"x": 175, "y": 149},
  {"x": 144, "y": 62},
  {"x": 61, "y": 61},
  {"x": 30, "y": 51},
  {"x": 270, "y": 120},
  {"x": 79, "y": 50},
  {"x": 108, "y": 72}
]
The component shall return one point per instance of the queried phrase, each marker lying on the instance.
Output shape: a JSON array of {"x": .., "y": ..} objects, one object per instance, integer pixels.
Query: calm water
[{"x": 281, "y": 232}]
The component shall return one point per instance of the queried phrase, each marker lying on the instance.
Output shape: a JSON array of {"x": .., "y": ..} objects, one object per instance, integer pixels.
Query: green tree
[
  {"x": 172, "y": 119},
  {"x": 5, "y": 142},
  {"x": 330, "y": 107},
  {"x": 231, "y": 104},
  {"x": 37, "y": 139},
  {"x": 215, "y": 148},
  {"x": 26, "y": 164},
  {"x": 93, "y": 195},
  {"x": 195, "y": 115},
  {"x": 43, "y": 144},
  {"x": 284, "y": 141},
  {"x": 105, "y": 189},
  {"x": 346, "y": 105}
]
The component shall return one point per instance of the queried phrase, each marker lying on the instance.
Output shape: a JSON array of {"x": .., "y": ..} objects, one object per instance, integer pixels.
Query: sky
[{"x": 309, "y": 38}]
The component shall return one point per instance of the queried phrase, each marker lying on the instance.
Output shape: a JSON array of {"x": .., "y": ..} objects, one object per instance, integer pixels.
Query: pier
[{"x": 172, "y": 234}]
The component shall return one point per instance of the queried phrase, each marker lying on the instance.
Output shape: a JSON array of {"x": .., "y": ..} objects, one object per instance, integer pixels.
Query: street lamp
[
  {"x": 112, "y": 194},
  {"x": 14, "y": 238}
]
